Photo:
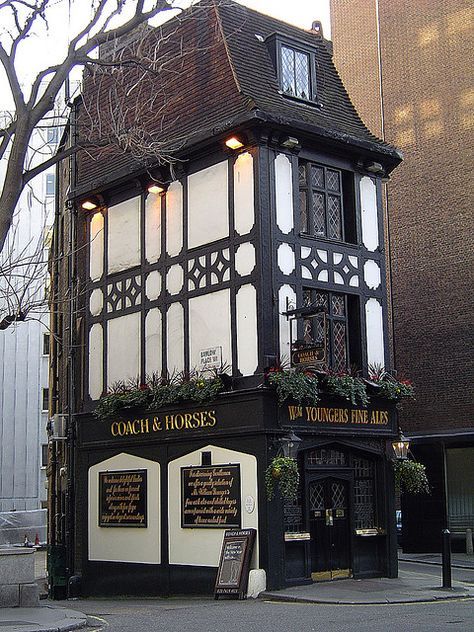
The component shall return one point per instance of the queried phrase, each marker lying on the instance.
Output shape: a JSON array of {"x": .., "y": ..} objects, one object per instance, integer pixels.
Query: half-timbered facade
[{"x": 240, "y": 256}]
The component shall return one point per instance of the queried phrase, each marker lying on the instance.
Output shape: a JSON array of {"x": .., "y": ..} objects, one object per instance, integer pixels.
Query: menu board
[
  {"x": 122, "y": 498},
  {"x": 210, "y": 496},
  {"x": 233, "y": 571}
]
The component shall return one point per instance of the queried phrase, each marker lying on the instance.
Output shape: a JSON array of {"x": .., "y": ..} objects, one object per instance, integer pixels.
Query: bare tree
[{"x": 111, "y": 21}]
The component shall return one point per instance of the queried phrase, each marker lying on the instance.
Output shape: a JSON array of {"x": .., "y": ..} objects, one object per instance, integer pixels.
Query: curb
[{"x": 340, "y": 602}]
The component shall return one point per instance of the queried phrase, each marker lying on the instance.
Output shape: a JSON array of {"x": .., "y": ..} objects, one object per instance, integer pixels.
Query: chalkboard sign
[
  {"x": 210, "y": 496},
  {"x": 122, "y": 498},
  {"x": 233, "y": 572}
]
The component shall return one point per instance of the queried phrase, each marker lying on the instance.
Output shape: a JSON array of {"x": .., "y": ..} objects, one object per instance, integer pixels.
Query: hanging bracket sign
[{"x": 233, "y": 572}]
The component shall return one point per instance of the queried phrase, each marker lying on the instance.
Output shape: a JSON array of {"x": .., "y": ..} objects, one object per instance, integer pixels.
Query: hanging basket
[
  {"x": 410, "y": 477},
  {"x": 283, "y": 472}
]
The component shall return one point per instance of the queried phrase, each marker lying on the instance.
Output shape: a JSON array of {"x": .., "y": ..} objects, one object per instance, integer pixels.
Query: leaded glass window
[
  {"x": 295, "y": 73},
  {"x": 321, "y": 203},
  {"x": 364, "y": 493},
  {"x": 329, "y": 327}
]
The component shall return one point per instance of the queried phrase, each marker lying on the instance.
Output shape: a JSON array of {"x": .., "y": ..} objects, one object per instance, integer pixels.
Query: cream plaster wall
[
  {"x": 175, "y": 337},
  {"x": 247, "y": 333},
  {"x": 202, "y": 547},
  {"x": 153, "y": 227},
  {"x": 96, "y": 263},
  {"x": 174, "y": 219},
  {"x": 368, "y": 203},
  {"x": 209, "y": 325},
  {"x": 284, "y": 194},
  {"x": 123, "y": 348},
  {"x": 96, "y": 371},
  {"x": 244, "y": 205},
  {"x": 126, "y": 544},
  {"x": 123, "y": 248},
  {"x": 374, "y": 331},
  {"x": 208, "y": 205},
  {"x": 153, "y": 342}
]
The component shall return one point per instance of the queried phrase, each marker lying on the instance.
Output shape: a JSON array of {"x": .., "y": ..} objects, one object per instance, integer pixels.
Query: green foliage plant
[
  {"x": 294, "y": 384},
  {"x": 282, "y": 471},
  {"x": 410, "y": 477},
  {"x": 348, "y": 387},
  {"x": 158, "y": 392},
  {"x": 388, "y": 386}
]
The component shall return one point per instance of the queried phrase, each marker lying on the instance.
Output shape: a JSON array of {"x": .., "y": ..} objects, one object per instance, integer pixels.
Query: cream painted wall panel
[
  {"x": 153, "y": 342},
  {"x": 375, "y": 333},
  {"x": 174, "y": 219},
  {"x": 96, "y": 264},
  {"x": 208, "y": 205},
  {"x": 286, "y": 300},
  {"x": 124, "y": 235},
  {"x": 175, "y": 336},
  {"x": 368, "y": 203},
  {"x": 209, "y": 325},
  {"x": 153, "y": 227},
  {"x": 123, "y": 348},
  {"x": 286, "y": 258},
  {"x": 201, "y": 547},
  {"x": 96, "y": 371},
  {"x": 244, "y": 204},
  {"x": 372, "y": 276},
  {"x": 284, "y": 193},
  {"x": 126, "y": 544},
  {"x": 96, "y": 302},
  {"x": 247, "y": 334}
]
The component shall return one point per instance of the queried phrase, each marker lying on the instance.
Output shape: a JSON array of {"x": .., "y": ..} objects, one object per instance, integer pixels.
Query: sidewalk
[
  {"x": 407, "y": 588},
  {"x": 45, "y": 618},
  {"x": 458, "y": 560}
]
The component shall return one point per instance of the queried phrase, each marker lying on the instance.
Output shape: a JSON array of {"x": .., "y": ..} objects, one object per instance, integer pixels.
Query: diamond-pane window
[
  {"x": 329, "y": 327},
  {"x": 295, "y": 73},
  {"x": 303, "y": 212},
  {"x": 324, "y": 201}
]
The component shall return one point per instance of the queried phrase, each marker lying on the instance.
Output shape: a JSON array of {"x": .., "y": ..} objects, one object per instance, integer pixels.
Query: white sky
[{"x": 42, "y": 47}]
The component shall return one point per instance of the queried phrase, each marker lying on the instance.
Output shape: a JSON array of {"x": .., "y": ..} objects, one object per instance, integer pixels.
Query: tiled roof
[{"x": 220, "y": 74}]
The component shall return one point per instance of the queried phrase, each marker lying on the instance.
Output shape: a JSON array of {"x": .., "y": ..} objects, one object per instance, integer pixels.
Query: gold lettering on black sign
[
  {"x": 210, "y": 496},
  {"x": 339, "y": 416},
  {"x": 169, "y": 422},
  {"x": 122, "y": 498}
]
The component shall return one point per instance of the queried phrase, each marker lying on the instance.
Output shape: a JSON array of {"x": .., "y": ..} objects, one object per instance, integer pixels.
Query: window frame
[
  {"x": 50, "y": 181},
  {"x": 309, "y": 190},
  {"x": 44, "y": 399},
  {"x": 275, "y": 43},
  {"x": 330, "y": 319}
]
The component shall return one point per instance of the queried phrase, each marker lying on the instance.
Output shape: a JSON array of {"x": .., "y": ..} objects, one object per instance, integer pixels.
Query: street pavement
[{"x": 413, "y": 601}]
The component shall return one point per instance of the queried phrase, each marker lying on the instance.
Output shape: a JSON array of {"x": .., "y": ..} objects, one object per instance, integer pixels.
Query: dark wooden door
[{"x": 329, "y": 527}]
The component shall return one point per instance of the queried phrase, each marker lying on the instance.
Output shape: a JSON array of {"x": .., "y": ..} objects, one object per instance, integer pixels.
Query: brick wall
[{"x": 428, "y": 102}]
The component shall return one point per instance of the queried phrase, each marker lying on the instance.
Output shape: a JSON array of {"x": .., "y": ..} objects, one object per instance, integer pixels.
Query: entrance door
[{"x": 329, "y": 527}]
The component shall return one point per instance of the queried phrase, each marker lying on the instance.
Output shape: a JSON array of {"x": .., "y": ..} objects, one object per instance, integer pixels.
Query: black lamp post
[
  {"x": 400, "y": 447},
  {"x": 290, "y": 445}
]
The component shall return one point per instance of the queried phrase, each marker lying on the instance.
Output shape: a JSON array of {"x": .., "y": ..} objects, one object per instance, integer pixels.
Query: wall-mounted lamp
[
  {"x": 234, "y": 143},
  {"x": 89, "y": 205},
  {"x": 290, "y": 142},
  {"x": 400, "y": 447},
  {"x": 290, "y": 445},
  {"x": 155, "y": 188}
]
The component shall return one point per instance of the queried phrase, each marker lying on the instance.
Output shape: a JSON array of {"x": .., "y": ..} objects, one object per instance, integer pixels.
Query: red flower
[{"x": 144, "y": 387}]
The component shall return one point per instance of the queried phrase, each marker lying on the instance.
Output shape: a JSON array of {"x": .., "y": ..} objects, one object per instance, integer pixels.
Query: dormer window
[
  {"x": 295, "y": 65},
  {"x": 295, "y": 73}
]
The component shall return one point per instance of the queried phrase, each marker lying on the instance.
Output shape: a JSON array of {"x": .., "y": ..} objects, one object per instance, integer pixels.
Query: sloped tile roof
[{"x": 220, "y": 74}]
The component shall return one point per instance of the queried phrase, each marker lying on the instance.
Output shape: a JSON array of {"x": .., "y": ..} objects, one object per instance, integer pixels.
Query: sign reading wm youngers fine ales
[
  {"x": 233, "y": 572},
  {"x": 331, "y": 417},
  {"x": 122, "y": 499},
  {"x": 210, "y": 496}
]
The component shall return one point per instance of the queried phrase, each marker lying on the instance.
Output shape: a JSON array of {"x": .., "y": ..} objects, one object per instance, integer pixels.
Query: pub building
[{"x": 265, "y": 241}]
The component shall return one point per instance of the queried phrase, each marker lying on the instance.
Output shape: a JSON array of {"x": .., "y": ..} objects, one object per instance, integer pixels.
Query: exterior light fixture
[
  {"x": 290, "y": 142},
  {"x": 89, "y": 205},
  {"x": 290, "y": 445},
  {"x": 155, "y": 188},
  {"x": 234, "y": 143},
  {"x": 400, "y": 447}
]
